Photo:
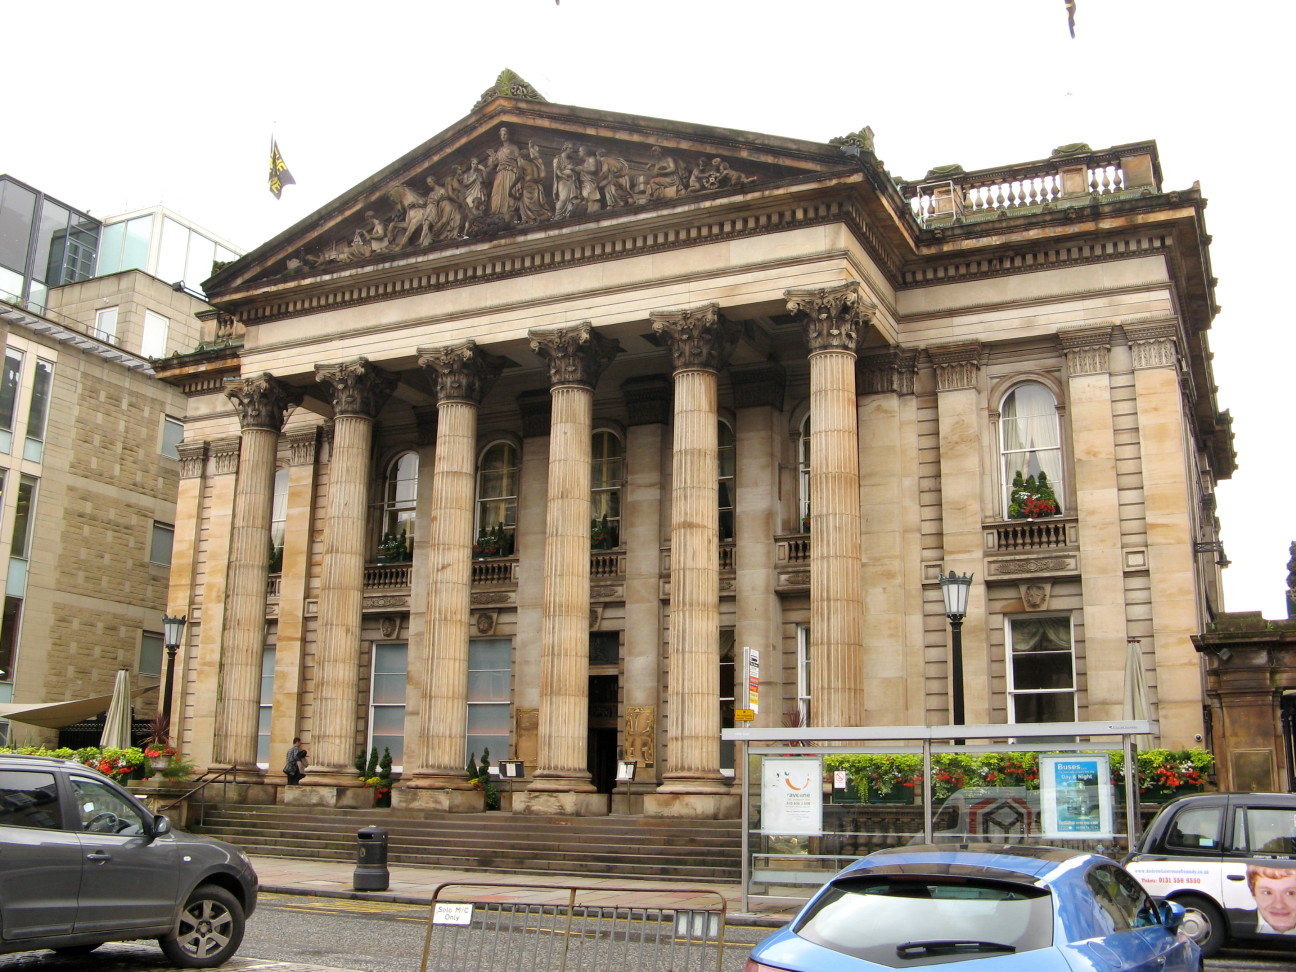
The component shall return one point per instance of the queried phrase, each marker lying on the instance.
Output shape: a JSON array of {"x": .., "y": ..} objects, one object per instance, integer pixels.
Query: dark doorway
[{"x": 1289, "y": 737}]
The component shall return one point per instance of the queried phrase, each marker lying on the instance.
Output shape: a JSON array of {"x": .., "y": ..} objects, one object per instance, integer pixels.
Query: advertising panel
[
  {"x": 792, "y": 795},
  {"x": 1075, "y": 795}
]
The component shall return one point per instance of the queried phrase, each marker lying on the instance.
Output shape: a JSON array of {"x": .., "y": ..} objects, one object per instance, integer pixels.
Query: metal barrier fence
[{"x": 492, "y": 927}]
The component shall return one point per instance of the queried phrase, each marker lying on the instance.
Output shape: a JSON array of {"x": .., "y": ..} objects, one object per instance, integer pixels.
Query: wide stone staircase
[{"x": 649, "y": 848}]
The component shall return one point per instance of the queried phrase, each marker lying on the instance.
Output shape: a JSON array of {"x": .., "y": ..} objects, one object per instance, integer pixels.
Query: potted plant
[
  {"x": 493, "y": 542},
  {"x": 276, "y": 557},
  {"x": 603, "y": 536},
  {"x": 1032, "y": 497},
  {"x": 481, "y": 779},
  {"x": 394, "y": 548}
]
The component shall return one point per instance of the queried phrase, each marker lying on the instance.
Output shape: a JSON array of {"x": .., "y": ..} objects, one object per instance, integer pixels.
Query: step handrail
[{"x": 203, "y": 783}]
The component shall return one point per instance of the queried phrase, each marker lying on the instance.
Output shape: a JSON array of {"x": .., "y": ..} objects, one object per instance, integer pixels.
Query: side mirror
[
  {"x": 162, "y": 826},
  {"x": 1172, "y": 914}
]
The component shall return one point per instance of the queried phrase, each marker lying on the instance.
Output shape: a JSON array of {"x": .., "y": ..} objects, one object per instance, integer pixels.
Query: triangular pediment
[{"x": 517, "y": 165}]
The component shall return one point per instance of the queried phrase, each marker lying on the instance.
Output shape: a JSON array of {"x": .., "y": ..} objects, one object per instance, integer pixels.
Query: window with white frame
[
  {"x": 490, "y": 712},
  {"x": 105, "y": 325},
  {"x": 38, "y": 413},
  {"x": 497, "y": 488},
  {"x": 160, "y": 543},
  {"x": 607, "y": 473},
  {"x": 387, "y": 699},
  {"x": 728, "y": 679},
  {"x": 401, "y": 497},
  {"x": 10, "y": 378},
  {"x": 726, "y": 453},
  {"x": 803, "y": 475},
  {"x": 1041, "y": 669},
  {"x": 1030, "y": 440},
  {"x": 153, "y": 344},
  {"x": 265, "y": 705},
  {"x": 803, "y": 674},
  {"x": 172, "y": 436},
  {"x": 278, "y": 520}
]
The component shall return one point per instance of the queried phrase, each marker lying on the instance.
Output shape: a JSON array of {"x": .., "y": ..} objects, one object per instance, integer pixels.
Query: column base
[
  {"x": 444, "y": 800},
  {"x": 552, "y": 803},
  {"x": 693, "y": 806},
  {"x": 336, "y": 797},
  {"x": 331, "y": 778}
]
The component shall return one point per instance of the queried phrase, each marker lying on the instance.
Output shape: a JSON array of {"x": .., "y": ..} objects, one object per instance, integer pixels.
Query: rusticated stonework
[
  {"x": 956, "y": 365},
  {"x": 699, "y": 338},
  {"x": 462, "y": 373},
  {"x": 891, "y": 370},
  {"x": 1153, "y": 345},
  {"x": 833, "y": 318},
  {"x": 262, "y": 401},
  {"x": 359, "y": 387},
  {"x": 1088, "y": 350},
  {"x": 576, "y": 355}
]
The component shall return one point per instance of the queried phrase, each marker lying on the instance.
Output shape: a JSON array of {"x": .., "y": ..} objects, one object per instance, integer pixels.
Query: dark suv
[
  {"x": 82, "y": 862},
  {"x": 1230, "y": 860}
]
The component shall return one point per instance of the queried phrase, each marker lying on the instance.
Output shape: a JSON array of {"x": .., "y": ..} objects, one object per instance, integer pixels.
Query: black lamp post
[
  {"x": 954, "y": 589},
  {"x": 173, "y": 630}
]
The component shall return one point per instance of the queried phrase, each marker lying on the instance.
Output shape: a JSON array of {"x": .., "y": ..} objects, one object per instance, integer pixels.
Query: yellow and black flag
[
  {"x": 1070, "y": 7},
  {"x": 279, "y": 174}
]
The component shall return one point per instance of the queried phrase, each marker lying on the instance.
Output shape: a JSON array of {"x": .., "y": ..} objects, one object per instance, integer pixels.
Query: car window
[
  {"x": 29, "y": 799},
  {"x": 1264, "y": 830},
  {"x": 869, "y": 917},
  {"x": 1195, "y": 829},
  {"x": 103, "y": 810}
]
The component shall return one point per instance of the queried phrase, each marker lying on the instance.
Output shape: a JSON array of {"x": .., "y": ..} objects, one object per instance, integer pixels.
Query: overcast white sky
[{"x": 122, "y": 106}]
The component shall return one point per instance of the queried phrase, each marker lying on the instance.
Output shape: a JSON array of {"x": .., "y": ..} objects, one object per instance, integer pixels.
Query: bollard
[{"x": 371, "y": 860}]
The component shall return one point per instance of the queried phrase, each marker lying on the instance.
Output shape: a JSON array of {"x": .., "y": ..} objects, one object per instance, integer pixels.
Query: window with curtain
[
  {"x": 278, "y": 519},
  {"x": 1030, "y": 441},
  {"x": 387, "y": 700},
  {"x": 497, "y": 487},
  {"x": 727, "y": 456},
  {"x": 1041, "y": 669},
  {"x": 803, "y": 476},
  {"x": 401, "y": 497},
  {"x": 607, "y": 472}
]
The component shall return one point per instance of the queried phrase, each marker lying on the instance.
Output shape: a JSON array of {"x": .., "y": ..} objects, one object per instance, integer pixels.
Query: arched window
[
  {"x": 607, "y": 474},
  {"x": 726, "y": 455},
  {"x": 803, "y": 475},
  {"x": 497, "y": 488},
  {"x": 1030, "y": 445},
  {"x": 278, "y": 520},
  {"x": 401, "y": 497}
]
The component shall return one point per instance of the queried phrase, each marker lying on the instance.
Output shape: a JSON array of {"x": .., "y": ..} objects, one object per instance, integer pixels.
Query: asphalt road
[{"x": 302, "y": 934}]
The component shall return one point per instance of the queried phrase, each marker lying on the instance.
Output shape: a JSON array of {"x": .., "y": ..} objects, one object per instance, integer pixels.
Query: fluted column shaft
[
  {"x": 262, "y": 403},
  {"x": 834, "y": 320},
  {"x": 359, "y": 391},
  {"x": 701, "y": 341}
]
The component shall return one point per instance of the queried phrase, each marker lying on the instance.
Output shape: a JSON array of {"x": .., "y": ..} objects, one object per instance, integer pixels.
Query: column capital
[
  {"x": 1088, "y": 349},
  {"x": 262, "y": 401},
  {"x": 303, "y": 446},
  {"x": 890, "y": 370},
  {"x": 576, "y": 355},
  {"x": 647, "y": 399},
  {"x": 193, "y": 456},
  {"x": 462, "y": 372},
  {"x": 956, "y": 364},
  {"x": 700, "y": 338},
  {"x": 360, "y": 388},
  {"x": 759, "y": 385},
  {"x": 1153, "y": 345},
  {"x": 833, "y": 318}
]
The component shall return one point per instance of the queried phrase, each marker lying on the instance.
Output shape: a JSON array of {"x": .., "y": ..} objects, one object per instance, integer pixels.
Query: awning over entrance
[{"x": 57, "y": 715}]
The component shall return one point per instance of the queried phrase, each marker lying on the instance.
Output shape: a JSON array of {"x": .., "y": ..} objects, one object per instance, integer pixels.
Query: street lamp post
[
  {"x": 173, "y": 630},
  {"x": 954, "y": 588}
]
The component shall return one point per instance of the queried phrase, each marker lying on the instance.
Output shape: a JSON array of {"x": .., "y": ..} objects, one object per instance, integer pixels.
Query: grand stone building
[{"x": 521, "y": 442}]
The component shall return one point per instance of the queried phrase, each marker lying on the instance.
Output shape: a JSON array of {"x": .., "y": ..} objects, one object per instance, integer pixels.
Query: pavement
[{"x": 412, "y": 884}]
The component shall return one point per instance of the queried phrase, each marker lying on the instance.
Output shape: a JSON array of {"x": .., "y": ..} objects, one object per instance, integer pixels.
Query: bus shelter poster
[
  {"x": 792, "y": 796},
  {"x": 1075, "y": 795}
]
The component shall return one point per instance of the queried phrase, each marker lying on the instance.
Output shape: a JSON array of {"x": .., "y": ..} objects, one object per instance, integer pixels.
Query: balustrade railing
[{"x": 1048, "y": 533}]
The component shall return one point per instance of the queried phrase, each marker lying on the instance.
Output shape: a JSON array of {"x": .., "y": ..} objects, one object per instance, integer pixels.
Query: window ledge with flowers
[
  {"x": 493, "y": 542},
  {"x": 1032, "y": 497}
]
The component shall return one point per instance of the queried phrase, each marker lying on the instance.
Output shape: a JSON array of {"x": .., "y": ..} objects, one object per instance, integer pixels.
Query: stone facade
[{"x": 823, "y": 382}]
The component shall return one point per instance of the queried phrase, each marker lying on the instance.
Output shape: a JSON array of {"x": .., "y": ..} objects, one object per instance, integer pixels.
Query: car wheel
[
  {"x": 71, "y": 951},
  {"x": 209, "y": 931},
  {"x": 1203, "y": 923}
]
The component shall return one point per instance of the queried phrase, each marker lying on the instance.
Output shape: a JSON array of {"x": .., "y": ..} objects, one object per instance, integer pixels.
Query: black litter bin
[{"x": 371, "y": 860}]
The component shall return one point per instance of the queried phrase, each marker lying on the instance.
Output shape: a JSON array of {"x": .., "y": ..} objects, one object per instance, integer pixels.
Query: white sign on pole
[
  {"x": 792, "y": 795},
  {"x": 753, "y": 678},
  {"x": 452, "y": 913}
]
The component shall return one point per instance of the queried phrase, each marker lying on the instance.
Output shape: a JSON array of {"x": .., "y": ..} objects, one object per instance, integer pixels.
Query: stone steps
[{"x": 633, "y": 847}]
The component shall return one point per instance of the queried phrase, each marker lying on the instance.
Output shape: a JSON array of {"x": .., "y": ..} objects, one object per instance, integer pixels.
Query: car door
[
  {"x": 1259, "y": 870},
  {"x": 1117, "y": 915},
  {"x": 130, "y": 880},
  {"x": 1187, "y": 853},
  {"x": 40, "y": 860}
]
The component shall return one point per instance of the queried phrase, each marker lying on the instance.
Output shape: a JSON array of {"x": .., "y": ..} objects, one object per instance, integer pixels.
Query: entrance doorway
[{"x": 604, "y": 699}]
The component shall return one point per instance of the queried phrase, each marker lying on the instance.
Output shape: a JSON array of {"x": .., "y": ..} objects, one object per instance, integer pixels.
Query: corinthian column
[
  {"x": 834, "y": 320},
  {"x": 359, "y": 392},
  {"x": 576, "y": 357},
  {"x": 700, "y": 343},
  {"x": 462, "y": 376},
  {"x": 262, "y": 404}
]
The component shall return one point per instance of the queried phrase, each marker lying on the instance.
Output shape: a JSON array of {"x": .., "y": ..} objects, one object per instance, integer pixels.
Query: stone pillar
[
  {"x": 758, "y": 401},
  {"x": 462, "y": 375},
  {"x": 958, "y": 368},
  {"x": 891, "y": 565},
  {"x": 561, "y": 781},
  {"x": 262, "y": 403},
  {"x": 701, "y": 342},
  {"x": 182, "y": 590},
  {"x": 1102, "y": 584},
  {"x": 535, "y": 407},
  {"x": 360, "y": 390},
  {"x": 834, "y": 320},
  {"x": 1168, "y": 496}
]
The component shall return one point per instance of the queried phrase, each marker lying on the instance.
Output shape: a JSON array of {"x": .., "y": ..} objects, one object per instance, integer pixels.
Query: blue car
[{"x": 987, "y": 907}]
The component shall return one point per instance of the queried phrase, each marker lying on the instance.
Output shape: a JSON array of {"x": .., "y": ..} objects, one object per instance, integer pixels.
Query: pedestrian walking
[{"x": 296, "y": 762}]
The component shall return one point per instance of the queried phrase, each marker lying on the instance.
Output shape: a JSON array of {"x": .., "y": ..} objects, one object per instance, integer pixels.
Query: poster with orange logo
[{"x": 792, "y": 795}]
